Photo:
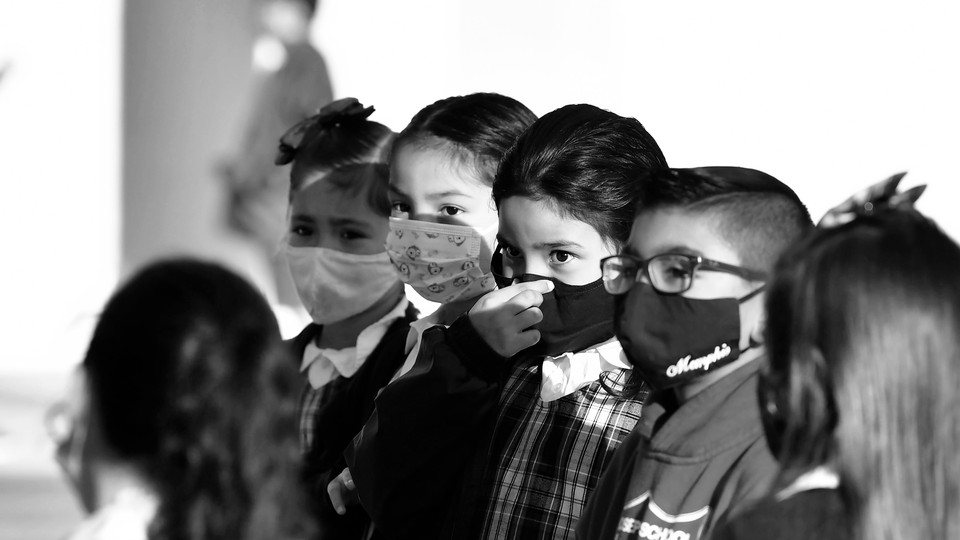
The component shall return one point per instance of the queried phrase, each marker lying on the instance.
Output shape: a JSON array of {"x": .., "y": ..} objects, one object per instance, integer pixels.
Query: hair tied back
[
  {"x": 879, "y": 198},
  {"x": 334, "y": 114}
]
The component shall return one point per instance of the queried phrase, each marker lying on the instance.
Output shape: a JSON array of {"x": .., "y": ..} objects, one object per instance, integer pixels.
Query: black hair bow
[
  {"x": 877, "y": 198},
  {"x": 336, "y": 113}
]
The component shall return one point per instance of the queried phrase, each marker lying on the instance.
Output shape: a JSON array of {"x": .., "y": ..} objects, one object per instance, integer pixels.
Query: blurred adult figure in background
[
  {"x": 182, "y": 424},
  {"x": 860, "y": 395},
  {"x": 290, "y": 83}
]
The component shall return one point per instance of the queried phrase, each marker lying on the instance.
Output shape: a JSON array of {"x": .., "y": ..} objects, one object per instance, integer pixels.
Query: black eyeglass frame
[{"x": 696, "y": 263}]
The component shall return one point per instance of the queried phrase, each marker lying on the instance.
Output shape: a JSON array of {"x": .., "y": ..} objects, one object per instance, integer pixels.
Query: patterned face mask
[{"x": 440, "y": 261}]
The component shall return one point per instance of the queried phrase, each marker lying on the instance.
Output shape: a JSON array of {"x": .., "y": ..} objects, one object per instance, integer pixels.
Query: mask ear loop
[
  {"x": 752, "y": 293},
  {"x": 496, "y": 268}
]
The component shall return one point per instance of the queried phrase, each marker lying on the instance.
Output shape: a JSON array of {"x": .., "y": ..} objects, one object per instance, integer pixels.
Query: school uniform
[
  {"x": 811, "y": 507},
  {"x": 507, "y": 454},
  {"x": 685, "y": 465},
  {"x": 337, "y": 399}
]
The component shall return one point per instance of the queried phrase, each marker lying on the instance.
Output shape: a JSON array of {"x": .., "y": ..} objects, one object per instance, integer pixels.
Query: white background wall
[
  {"x": 59, "y": 176},
  {"x": 827, "y": 96}
]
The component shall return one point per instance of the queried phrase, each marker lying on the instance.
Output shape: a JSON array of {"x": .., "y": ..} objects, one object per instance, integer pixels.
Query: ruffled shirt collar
[
  {"x": 324, "y": 365},
  {"x": 565, "y": 374}
]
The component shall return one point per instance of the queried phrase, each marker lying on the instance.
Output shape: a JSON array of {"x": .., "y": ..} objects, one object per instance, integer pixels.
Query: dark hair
[
  {"x": 372, "y": 180},
  {"x": 478, "y": 128},
  {"x": 863, "y": 334},
  {"x": 759, "y": 216},
  {"x": 340, "y": 135},
  {"x": 586, "y": 160},
  {"x": 191, "y": 381}
]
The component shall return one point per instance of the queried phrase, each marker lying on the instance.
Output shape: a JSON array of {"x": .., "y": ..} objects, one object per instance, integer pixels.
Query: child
[
  {"x": 441, "y": 238},
  {"x": 533, "y": 430},
  {"x": 183, "y": 423},
  {"x": 689, "y": 315},
  {"x": 337, "y": 222},
  {"x": 860, "y": 394}
]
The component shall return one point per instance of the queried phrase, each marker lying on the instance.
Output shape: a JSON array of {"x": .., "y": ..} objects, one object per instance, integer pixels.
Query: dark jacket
[
  {"x": 342, "y": 417},
  {"x": 685, "y": 466},
  {"x": 817, "y": 513},
  {"x": 412, "y": 472}
]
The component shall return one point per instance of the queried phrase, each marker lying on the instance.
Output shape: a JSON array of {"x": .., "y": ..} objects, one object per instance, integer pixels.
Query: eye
[
  {"x": 561, "y": 257},
  {"x": 301, "y": 230},
  {"x": 512, "y": 252},
  {"x": 670, "y": 273},
  {"x": 399, "y": 208},
  {"x": 450, "y": 210},
  {"x": 676, "y": 271},
  {"x": 348, "y": 234}
]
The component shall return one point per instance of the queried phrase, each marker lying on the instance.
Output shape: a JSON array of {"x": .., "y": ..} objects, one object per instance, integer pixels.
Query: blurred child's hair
[
  {"x": 863, "y": 334},
  {"x": 478, "y": 129},
  {"x": 586, "y": 161},
  {"x": 756, "y": 214},
  {"x": 193, "y": 386},
  {"x": 339, "y": 136}
]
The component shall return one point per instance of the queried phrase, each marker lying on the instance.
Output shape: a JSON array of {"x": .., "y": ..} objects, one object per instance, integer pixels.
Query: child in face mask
[
  {"x": 337, "y": 222},
  {"x": 527, "y": 457},
  {"x": 688, "y": 289},
  {"x": 441, "y": 236},
  {"x": 566, "y": 196}
]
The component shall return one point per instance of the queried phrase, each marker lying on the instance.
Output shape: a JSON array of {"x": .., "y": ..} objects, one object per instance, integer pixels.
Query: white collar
[
  {"x": 414, "y": 336},
  {"x": 565, "y": 374},
  {"x": 324, "y": 365},
  {"x": 822, "y": 477},
  {"x": 126, "y": 517}
]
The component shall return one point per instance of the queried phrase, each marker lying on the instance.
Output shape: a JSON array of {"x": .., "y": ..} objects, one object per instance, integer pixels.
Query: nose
[{"x": 533, "y": 265}]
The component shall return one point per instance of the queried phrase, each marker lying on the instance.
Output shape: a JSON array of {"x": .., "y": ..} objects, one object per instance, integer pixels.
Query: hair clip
[
  {"x": 876, "y": 199},
  {"x": 334, "y": 114}
]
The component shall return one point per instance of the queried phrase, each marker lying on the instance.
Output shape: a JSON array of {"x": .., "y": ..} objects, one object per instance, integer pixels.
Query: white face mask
[
  {"x": 440, "y": 261},
  {"x": 334, "y": 285}
]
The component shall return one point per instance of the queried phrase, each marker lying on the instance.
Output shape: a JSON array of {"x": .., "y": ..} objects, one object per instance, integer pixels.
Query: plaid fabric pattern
[
  {"x": 311, "y": 400},
  {"x": 547, "y": 457}
]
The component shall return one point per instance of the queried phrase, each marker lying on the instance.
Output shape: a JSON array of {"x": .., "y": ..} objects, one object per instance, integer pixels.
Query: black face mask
[
  {"x": 574, "y": 316},
  {"x": 672, "y": 340}
]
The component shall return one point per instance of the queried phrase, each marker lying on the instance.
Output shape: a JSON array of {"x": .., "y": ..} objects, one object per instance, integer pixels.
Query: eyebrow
[
  {"x": 541, "y": 245},
  {"x": 675, "y": 248},
  {"x": 557, "y": 244},
  {"x": 302, "y": 217},
  {"x": 445, "y": 194},
  {"x": 340, "y": 222},
  {"x": 678, "y": 248}
]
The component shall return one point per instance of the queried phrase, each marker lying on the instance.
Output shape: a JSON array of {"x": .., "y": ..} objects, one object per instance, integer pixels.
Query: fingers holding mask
[{"x": 504, "y": 318}]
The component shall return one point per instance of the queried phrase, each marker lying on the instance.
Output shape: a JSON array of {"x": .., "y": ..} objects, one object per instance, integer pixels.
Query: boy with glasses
[{"x": 689, "y": 314}]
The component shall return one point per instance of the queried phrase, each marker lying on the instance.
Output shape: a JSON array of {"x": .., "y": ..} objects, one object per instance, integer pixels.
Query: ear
[{"x": 753, "y": 320}]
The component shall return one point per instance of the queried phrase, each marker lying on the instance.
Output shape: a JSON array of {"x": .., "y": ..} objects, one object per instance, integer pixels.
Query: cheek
[{"x": 581, "y": 272}]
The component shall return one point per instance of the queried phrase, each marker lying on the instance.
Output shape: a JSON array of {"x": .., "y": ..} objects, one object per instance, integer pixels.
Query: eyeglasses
[{"x": 667, "y": 273}]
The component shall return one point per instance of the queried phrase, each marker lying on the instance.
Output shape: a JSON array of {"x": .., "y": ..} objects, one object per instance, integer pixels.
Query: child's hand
[
  {"x": 342, "y": 491},
  {"x": 504, "y": 317}
]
